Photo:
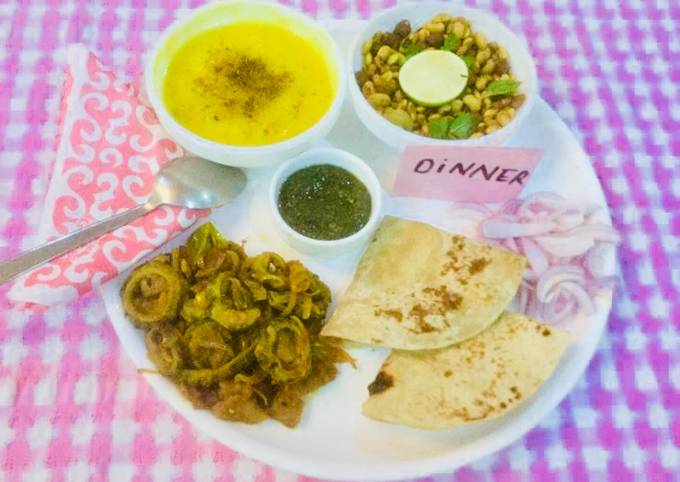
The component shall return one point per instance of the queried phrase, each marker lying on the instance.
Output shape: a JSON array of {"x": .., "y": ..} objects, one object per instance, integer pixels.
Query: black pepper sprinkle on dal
[{"x": 324, "y": 202}]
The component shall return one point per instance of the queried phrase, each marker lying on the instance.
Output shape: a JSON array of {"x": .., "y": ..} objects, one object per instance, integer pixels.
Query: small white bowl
[
  {"x": 521, "y": 62},
  {"x": 235, "y": 11},
  {"x": 335, "y": 157}
]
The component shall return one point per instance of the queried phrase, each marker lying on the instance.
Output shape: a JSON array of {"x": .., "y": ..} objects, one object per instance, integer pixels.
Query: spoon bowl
[
  {"x": 188, "y": 181},
  {"x": 196, "y": 183}
]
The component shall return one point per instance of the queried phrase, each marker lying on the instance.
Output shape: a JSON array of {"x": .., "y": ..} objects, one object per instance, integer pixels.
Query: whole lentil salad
[{"x": 489, "y": 101}]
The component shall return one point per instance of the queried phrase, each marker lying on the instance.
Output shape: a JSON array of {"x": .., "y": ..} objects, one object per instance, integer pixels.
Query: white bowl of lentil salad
[{"x": 498, "y": 96}]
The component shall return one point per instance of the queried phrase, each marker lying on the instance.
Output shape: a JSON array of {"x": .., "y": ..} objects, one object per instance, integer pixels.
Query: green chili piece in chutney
[{"x": 324, "y": 202}]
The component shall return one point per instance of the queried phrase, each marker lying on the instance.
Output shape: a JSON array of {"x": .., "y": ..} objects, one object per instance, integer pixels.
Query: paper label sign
[{"x": 472, "y": 174}]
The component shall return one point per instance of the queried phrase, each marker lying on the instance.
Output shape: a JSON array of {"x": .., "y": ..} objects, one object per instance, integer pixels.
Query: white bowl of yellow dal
[{"x": 246, "y": 83}]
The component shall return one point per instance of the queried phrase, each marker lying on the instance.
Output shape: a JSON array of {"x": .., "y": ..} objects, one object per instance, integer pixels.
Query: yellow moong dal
[{"x": 248, "y": 84}]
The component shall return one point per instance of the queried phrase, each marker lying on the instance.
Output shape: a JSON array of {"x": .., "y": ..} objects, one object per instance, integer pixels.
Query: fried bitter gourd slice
[
  {"x": 207, "y": 252},
  {"x": 284, "y": 350},
  {"x": 165, "y": 349},
  {"x": 233, "y": 319},
  {"x": 268, "y": 269},
  {"x": 208, "y": 345},
  {"x": 206, "y": 377},
  {"x": 153, "y": 293},
  {"x": 288, "y": 402}
]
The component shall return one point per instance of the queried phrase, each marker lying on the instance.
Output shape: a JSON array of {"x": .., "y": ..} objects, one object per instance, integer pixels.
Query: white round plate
[{"x": 334, "y": 440}]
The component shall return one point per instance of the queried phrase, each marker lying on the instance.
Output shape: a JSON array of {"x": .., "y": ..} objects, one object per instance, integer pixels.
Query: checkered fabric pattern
[{"x": 71, "y": 404}]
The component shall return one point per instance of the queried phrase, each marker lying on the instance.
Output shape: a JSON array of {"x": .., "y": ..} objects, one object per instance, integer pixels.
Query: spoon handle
[{"x": 40, "y": 254}]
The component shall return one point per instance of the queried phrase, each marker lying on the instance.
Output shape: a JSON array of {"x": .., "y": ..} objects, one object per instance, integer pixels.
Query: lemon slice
[{"x": 433, "y": 77}]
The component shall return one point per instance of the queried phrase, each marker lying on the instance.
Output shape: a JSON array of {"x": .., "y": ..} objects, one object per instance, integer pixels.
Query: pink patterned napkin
[{"x": 109, "y": 149}]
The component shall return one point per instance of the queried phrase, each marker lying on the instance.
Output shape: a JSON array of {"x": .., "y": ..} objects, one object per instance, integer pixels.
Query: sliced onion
[
  {"x": 534, "y": 308},
  {"x": 536, "y": 257},
  {"x": 563, "y": 246},
  {"x": 504, "y": 229},
  {"x": 584, "y": 300},
  {"x": 471, "y": 208},
  {"x": 522, "y": 299},
  {"x": 562, "y": 299},
  {"x": 511, "y": 206},
  {"x": 559, "y": 312},
  {"x": 569, "y": 220},
  {"x": 511, "y": 244},
  {"x": 595, "y": 260},
  {"x": 530, "y": 275},
  {"x": 594, "y": 214},
  {"x": 566, "y": 247},
  {"x": 543, "y": 202},
  {"x": 597, "y": 231},
  {"x": 555, "y": 276},
  {"x": 577, "y": 241}
]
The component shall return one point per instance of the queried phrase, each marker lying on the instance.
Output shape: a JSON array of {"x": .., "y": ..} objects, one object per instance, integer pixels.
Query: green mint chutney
[{"x": 324, "y": 202}]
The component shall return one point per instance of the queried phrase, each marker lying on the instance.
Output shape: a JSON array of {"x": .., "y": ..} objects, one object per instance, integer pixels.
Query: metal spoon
[{"x": 187, "y": 181}]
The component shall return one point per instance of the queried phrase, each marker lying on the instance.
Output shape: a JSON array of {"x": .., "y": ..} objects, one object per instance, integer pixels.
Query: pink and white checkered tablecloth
[{"x": 72, "y": 406}]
